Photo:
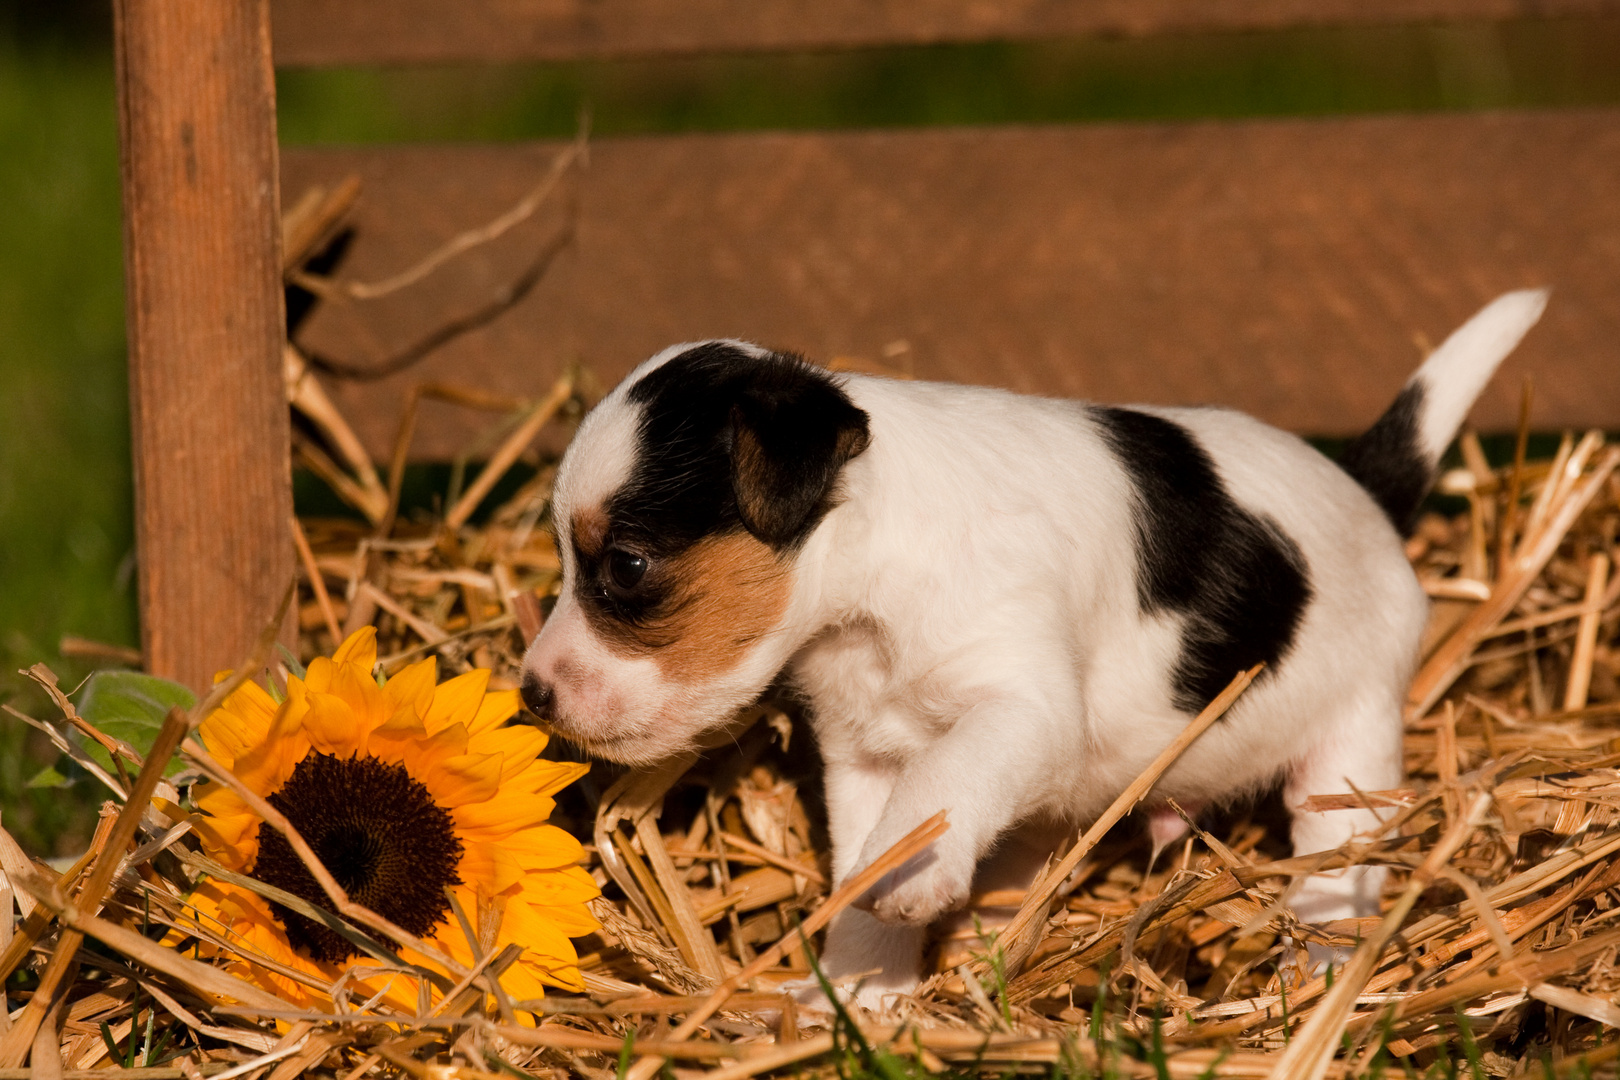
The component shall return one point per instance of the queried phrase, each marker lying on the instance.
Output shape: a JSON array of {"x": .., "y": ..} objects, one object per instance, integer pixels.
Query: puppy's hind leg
[{"x": 1359, "y": 750}]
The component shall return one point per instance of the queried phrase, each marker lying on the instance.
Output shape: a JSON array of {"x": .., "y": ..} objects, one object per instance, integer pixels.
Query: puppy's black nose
[{"x": 537, "y": 695}]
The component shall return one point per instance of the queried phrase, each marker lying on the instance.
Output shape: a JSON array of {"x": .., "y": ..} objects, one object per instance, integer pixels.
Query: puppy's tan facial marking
[
  {"x": 589, "y": 529},
  {"x": 716, "y": 600}
]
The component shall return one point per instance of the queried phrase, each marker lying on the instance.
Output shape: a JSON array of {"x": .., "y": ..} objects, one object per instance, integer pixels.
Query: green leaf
[
  {"x": 1476, "y": 1062},
  {"x": 48, "y": 777},
  {"x": 130, "y": 705},
  {"x": 624, "y": 1054}
]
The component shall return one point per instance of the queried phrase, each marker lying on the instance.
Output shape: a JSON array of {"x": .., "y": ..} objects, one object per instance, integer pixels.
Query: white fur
[
  {"x": 965, "y": 625},
  {"x": 1458, "y": 370}
]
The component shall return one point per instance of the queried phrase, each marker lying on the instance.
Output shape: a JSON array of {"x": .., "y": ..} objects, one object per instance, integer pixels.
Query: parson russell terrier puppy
[{"x": 999, "y": 606}]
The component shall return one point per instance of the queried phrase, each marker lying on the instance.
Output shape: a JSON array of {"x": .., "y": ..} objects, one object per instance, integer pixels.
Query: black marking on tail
[
  {"x": 1388, "y": 460},
  {"x": 1237, "y": 579}
]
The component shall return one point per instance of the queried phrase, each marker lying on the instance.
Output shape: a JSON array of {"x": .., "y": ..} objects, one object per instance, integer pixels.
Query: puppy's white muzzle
[{"x": 615, "y": 707}]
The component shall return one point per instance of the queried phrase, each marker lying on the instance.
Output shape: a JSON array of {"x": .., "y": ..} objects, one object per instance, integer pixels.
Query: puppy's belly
[{"x": 1089, "y": 754}]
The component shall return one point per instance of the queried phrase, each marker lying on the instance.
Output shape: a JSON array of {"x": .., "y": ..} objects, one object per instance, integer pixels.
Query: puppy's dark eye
[{"x": 625, "y": 570}]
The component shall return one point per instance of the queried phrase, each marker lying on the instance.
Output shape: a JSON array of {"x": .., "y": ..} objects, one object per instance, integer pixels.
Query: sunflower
[{"x": 409, "y": 791}]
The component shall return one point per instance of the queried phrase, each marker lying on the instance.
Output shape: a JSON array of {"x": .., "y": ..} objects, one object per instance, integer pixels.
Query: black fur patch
[
  {"x": 728, "y": 441},
  {"x": 680, "y": 490},
  {"x": 693, "y": 405},
  {"x": 1387, "y": 460},
  {"x": 1238, "y": 581}
]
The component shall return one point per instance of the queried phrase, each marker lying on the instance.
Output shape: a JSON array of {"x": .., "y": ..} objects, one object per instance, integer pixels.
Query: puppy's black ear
[{"x": 792, "y": 432}]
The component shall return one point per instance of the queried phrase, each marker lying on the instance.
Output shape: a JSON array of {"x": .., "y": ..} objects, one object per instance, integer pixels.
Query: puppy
[{"x": 999, "y": 606}]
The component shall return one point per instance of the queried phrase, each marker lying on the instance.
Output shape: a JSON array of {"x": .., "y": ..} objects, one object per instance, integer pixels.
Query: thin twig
[
  {"x": 471, "y": 238},
  {"x": 316, "y": 582},
  {"x": 509, "y": 451},
  {"x": 1580, "y": 665},
  {"x": 315, "y": 217}
]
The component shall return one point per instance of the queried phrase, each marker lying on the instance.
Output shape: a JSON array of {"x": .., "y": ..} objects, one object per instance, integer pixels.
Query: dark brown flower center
[{"x": 378, "y": 833}]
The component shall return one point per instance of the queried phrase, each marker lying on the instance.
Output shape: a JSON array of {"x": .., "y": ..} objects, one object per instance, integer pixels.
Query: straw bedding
[{"x": 1496, "y": 953}]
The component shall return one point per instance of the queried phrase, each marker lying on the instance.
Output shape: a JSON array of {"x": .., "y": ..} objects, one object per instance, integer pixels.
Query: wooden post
[{"x": 213, "y": 493}]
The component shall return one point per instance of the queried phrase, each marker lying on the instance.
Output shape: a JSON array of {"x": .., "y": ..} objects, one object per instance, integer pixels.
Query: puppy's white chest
[{"x": 866, "y": 706}]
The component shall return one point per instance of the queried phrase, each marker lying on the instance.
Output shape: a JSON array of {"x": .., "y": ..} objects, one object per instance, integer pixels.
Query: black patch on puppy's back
[{"x": 1237, "y": 580}]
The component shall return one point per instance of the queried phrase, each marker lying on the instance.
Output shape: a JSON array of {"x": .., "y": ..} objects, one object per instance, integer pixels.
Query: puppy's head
[{"x": 680, "y": 510}]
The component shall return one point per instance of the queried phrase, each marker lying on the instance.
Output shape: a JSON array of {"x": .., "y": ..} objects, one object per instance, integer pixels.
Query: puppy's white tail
[{"x": 1396, "y": 458}]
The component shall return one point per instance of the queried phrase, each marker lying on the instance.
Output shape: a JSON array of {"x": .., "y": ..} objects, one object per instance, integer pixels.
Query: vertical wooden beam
[{"x": 213, "y": 493}]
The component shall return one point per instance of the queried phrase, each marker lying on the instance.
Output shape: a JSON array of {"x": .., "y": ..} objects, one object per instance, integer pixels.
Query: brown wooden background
[{"x": 1294, "y": 268}]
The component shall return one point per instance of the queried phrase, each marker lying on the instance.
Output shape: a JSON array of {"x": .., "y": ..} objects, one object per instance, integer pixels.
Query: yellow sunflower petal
[
  {"x": 466, "y": 778},
  {"x": 489, "y": 869},
  {"x": 216, "y": 800},
  {"x": 522, "y": 982},
  {"x": 498, "y": 707},
  {"x": 404, "y": 724},
  {"x": 414, "y": 686},
  {"x": 318, "y": 675},
  {"x": 534, "y": 776},
  {"x": 454, "y": 944},
  {"x": 553, "y": 776},
  {"x": 239, "y": 724},
  {"x": 564, "y": 887},
  {"x": 244, "y": 921},
  {"x": 265, "y": 767},
  {"x": 519, "y": 750},
  {"x": 331, "y": 725},
  {"x": 468, "y": 897},
  {"x": 552, "y": 956},
  {"x": 423, "y": 755},
  {"x": 500, "y": 817},
  {"x": 457, "y": 701},
  {"x": 544, "y": 847},
  {"x": 230, "y": 841},
  {"x": 571, "y": 920},
  {"x": 344, "y": 714},
  {"x": 359, "y": 649}
]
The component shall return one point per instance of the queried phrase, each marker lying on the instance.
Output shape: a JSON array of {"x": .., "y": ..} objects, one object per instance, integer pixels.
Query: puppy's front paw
[{"x": 921, "y": 891}]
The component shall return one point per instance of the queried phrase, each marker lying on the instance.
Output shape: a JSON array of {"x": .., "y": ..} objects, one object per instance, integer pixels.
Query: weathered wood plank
[
  {"x": 1290, "y": 268},
  {"x": 212, "y": 475},
  {"x": 327, "y": 32}
]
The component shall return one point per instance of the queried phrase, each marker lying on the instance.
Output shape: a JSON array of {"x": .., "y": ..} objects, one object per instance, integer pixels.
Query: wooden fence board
[
  {"x": 212, "y": 477},
  {"x": 327, "y": 32},
  {"x": 1290, "y": 268}
]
